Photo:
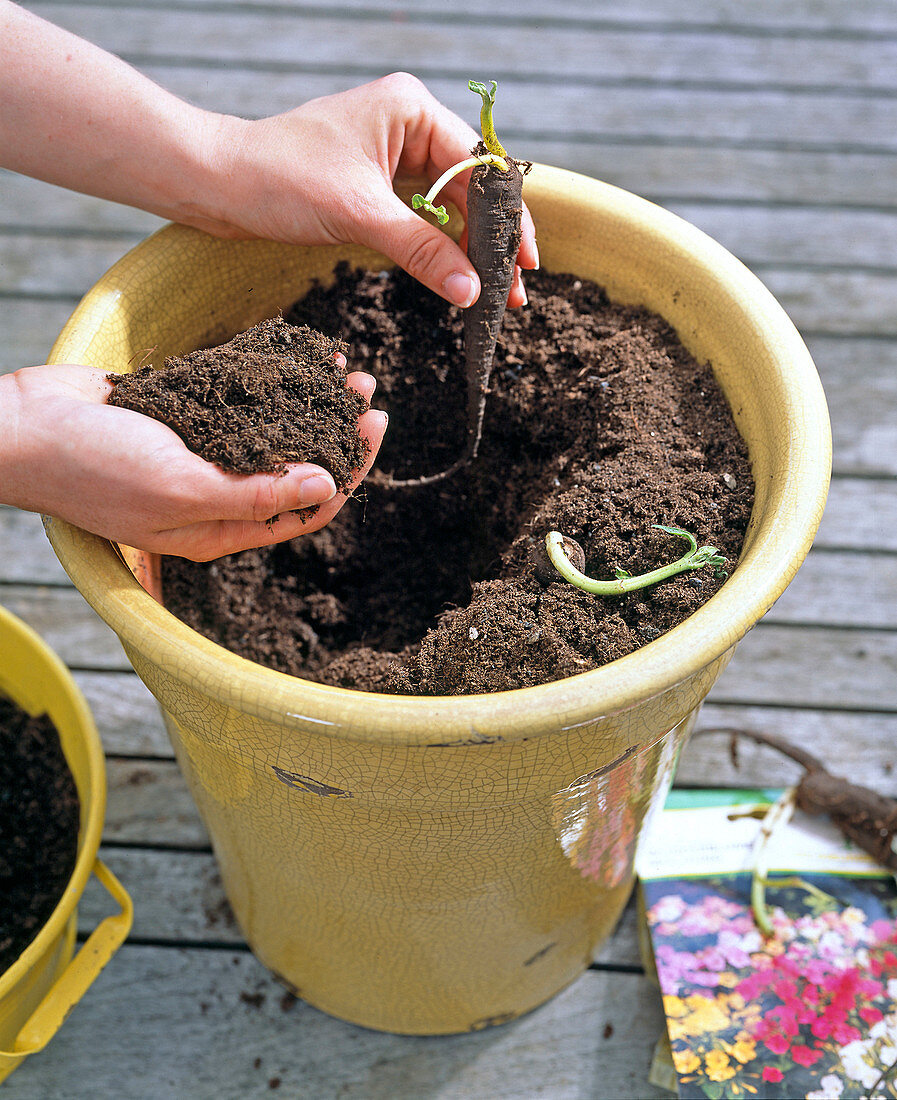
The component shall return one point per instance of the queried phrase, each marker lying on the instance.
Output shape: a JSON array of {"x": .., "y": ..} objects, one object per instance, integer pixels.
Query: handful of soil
[
  {"x": 273, "y": 395},
  {"x": 38, "y": 827}
]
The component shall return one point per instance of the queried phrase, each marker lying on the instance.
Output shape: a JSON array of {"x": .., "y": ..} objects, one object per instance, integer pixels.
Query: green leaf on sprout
[{"x": 420, "y": 202}]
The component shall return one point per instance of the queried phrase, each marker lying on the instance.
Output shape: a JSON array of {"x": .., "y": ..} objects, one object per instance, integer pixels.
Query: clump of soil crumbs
[
  {"x": 271, "y": 396},
  {"x": 599, "y": 424},
  {"x": 39, "y": 820}
]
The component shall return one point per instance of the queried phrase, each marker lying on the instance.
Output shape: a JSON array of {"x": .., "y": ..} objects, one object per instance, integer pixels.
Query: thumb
[
  {"x": 425, "y": 252},
  {"x": 260, "y": 497}
]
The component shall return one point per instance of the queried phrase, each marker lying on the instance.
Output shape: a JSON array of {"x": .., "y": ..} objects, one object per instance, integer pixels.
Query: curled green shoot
[
  {"x": 425, "y": 202},
  {"x": 487, "y": 126},
  {"x": 696, "y": 558}
]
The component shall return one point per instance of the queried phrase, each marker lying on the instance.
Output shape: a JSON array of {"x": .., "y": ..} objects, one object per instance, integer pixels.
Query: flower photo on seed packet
[{"x": 808, "y": 1012}]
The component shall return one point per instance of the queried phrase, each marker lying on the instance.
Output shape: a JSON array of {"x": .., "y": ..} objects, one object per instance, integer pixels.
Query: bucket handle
[{"x": 78, "y": 976}]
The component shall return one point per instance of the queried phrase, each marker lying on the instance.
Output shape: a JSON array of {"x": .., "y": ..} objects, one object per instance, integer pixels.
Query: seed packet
[{"x": 808, "y": 1011}]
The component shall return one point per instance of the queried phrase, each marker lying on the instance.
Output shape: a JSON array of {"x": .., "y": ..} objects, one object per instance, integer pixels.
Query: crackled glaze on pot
[{"x": 435, "y": 865}]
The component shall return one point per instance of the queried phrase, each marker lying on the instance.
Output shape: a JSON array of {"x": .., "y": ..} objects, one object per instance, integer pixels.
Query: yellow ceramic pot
[
  {"x": 41, "y": 987},
  {"x": 437, "y": 865}
]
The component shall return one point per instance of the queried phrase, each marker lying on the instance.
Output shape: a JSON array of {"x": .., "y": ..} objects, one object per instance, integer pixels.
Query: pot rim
[
  {"x": 771, "y": 559},
  {"x": 93, "y": 803}
]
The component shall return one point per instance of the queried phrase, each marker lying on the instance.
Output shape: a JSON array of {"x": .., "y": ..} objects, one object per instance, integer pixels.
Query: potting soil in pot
[
  {"x": 598, "y": 424},
  {"x": 39, "y": 823}
]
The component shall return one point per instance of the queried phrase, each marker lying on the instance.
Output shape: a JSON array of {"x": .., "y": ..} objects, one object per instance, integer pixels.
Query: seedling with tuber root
[{"x": 494, "y": 217}]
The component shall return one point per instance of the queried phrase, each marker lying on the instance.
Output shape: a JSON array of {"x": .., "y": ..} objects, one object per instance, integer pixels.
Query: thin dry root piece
[{"x": 864, "y": 816}]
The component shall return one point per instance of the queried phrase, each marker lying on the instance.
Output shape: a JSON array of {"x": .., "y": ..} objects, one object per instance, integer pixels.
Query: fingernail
[
  {"x": 536, "y": 255},
  {"x": 317, "y": 489},
  {"x": 460, "y": 289}
]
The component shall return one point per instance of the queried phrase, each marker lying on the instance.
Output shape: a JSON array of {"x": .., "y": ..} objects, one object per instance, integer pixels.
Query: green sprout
[
  {"x": 696, "y": 558},
  {"x": 487, "y": 127},
  {"x": 495, "y": 156},
  {"x": 425, "y": 202}
]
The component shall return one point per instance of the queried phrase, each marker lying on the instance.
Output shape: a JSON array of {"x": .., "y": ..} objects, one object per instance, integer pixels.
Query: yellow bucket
[
  {"x": 433, "y": 865},
  {"x": 42, "y": 986}
]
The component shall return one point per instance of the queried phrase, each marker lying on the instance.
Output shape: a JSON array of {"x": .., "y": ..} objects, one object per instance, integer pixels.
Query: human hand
[
  {"x": 81, "y": 118},
  {"x": 131, "y": 479},
  {"x": 322, "y": 174}
]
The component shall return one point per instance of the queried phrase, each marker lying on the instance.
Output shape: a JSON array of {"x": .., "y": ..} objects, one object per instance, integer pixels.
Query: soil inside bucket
[
  {"x": 599, "y": 424},
  {"x": 39, "y": 823}
]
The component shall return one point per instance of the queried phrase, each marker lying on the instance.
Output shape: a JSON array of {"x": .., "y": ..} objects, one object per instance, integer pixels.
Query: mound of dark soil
[
  {"x": 38, "y": 827},
  {"x": 599, "y": 424}
]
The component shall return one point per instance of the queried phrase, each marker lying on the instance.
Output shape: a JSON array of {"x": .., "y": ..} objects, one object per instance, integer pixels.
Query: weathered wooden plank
[
  {"x": 148, "y": 803},
  {"x": 34, "y": 204},
  {"x": 818, "y": 667},
  {"x": 860, "y": 512},
  {"x": 792, "y": 235},
  {"x": 842, "y": 589},
  {"x": 848, "y": 302},
  {"x": 781, "y": 233},
  {"x": 29, "y": 328},
  {"x": 207, "y": 1023},
  {"x": 25, "y": 553},
  {"x": 860, "y": 381},
  {"x": 859, "y": 376},
  {"x": 858, "y": 745},
  {"x": 666, "y": 171},
  {"x": 178, "y": 897},
  {"x": 49, "y": 264},
  {"x": 819, "y": 121},
  {"x": 431, "y": 44},
  {"x": 67, "y": 624},
  {"x": 130, "y": 725},
  {"x": 766, "y": 16},
  {"x": 126, "y": 714},
  {"x": 661, "y": 171}
]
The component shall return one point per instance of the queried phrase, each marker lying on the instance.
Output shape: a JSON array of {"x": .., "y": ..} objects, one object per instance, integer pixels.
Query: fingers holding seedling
[{"x": 493, "y": 238}]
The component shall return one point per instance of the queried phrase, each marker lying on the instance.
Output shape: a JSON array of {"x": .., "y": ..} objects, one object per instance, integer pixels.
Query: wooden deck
[{"x": 773, "y": 127}]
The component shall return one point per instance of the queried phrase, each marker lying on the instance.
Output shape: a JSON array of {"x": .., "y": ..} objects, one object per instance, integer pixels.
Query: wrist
[
  {"x": 195, "y": 179},
  {"x": 214, "y": 198}
]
